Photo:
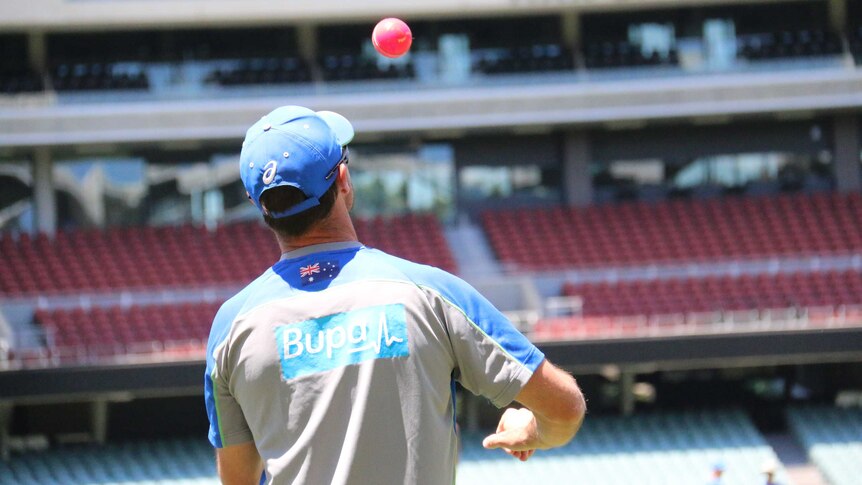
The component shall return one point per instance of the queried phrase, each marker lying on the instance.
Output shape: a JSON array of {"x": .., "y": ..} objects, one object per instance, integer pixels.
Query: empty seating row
[
  {"x": 95, "y": 77},
  {"x": 20, "y": 81},
  {"x": 354, "y": 67},
  {"x": 271, "y": 70},
  {"x": 609, "y": 54},
  {"x": 124, "y": 327},
  {"x": 801, "y": 43},
  {"x": 535, "y": 58},
  {"x": 672, "y": 448},
  {"x": 153, "y": 257},
  {"x": 719, "y": 293},
  {"x": 637, "y": 233},
  {"x": 833, "y": 438}
]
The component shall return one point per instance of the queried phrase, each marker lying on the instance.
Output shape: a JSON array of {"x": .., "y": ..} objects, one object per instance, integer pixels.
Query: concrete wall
[
  {"x": 404, "y": 110},
  {"x": 25, "y": 15}
]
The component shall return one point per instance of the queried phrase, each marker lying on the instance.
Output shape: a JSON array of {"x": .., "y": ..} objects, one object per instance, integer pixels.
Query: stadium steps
[
  {"x": 23, "y": 331},
  {"x": 471, "y": 249},
  {"x": 800, "y": 470},
  {"x": 833, "y": 438}
]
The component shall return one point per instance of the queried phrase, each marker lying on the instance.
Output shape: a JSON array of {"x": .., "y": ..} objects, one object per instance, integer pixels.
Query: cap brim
[{"x": 340, "y": 126}]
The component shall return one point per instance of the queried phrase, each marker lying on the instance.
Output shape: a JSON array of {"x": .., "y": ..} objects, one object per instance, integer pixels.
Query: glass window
[
  {"x": 653, "y": 38},
  {"x": 719, "y": 37},
  {"x": 478, "y": 182},
  {"x": 639, "y": 171},
  {"x": 737, "y": 170},
  {"x": 394, "y": 180},
  {"x": 454, "y": 58},
  {"x": 132, "y": 191},
  {"x": 16, "y": 192}
]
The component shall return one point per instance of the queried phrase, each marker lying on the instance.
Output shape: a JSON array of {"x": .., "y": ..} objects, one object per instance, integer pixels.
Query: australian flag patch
[{"x": 318, "y": 271}]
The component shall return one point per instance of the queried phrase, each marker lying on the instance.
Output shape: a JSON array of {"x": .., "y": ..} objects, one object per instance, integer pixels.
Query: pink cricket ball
[{"x": 392, "y": 37}]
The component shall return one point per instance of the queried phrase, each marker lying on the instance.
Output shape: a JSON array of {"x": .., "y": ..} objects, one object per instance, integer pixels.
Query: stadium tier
[
  {"x": 667, "y": 449},
  {"x": 135, "y": 60},
  {"x": 118, "y": 330},
  {"x": 637, "y": 233},
  {"x": 719, "y": 293},
  {"x": 170, "y": 462},
  {"x": 833, "y": 438},
  {"x": 154, "y": 257}
]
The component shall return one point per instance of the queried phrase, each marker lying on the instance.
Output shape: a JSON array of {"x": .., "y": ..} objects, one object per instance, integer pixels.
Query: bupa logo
[{"x": 342, "y": 339}]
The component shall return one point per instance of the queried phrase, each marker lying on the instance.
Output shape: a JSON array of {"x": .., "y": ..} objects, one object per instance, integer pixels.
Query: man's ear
[{"x": 343, "y": 179}]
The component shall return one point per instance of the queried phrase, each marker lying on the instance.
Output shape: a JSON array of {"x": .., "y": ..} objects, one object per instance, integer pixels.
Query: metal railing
[
  {"x": 103, "y": 354},
  {"x": 578, "y": 327}
]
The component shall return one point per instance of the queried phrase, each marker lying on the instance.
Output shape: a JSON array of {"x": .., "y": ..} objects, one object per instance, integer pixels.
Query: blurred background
[{"x": 664, "y": 195}]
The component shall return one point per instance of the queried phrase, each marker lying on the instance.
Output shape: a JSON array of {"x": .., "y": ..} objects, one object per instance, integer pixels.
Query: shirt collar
[{"x": 320, "y": 248}]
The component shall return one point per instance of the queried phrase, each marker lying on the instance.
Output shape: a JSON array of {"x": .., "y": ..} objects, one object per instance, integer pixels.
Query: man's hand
[
  {"x": 517, "y": 434},
  {"x": 554, "y": 412}
]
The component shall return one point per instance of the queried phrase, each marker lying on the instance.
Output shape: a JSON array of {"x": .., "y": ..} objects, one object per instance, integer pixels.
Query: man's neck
[{"x": 326, "y": 232}]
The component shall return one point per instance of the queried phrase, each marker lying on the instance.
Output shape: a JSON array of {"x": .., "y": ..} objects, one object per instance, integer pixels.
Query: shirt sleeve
[
  {"x": 493, "y": 359},
  {"x": 227, "y": 424}
]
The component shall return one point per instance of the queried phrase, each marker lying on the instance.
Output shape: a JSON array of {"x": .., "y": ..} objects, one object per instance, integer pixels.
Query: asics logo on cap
[{"x": 269, "y": 171}]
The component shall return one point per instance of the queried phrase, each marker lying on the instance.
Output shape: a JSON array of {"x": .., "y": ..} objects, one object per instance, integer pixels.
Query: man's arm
[
  {"x": 239, "y": 464},
  {"x": 555, "y": 409}
]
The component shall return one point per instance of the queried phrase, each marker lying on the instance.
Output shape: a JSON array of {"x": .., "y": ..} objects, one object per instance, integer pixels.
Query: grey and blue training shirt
[{"x": 339, "y": 362}]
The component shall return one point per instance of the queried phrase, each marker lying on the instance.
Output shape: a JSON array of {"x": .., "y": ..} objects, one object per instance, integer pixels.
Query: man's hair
[{"x": 278, "y": 199}]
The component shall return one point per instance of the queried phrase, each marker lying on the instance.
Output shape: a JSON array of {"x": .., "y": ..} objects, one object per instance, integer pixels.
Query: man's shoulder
[
  {"x": 418, "y": 273},
  {"x": 425, "y": 276},
  {"x": 232, "y": 307}
]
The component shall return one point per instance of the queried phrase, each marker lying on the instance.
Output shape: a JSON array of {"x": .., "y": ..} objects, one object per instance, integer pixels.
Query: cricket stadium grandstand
[{"x": 664, "y": 195}]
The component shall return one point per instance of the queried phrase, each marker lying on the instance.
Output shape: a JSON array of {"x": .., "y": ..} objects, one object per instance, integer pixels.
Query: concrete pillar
[
  {"x": 43, "y": 191},
  {"x": 306, "y": 42},
  {"x": 5, "y": 421},
  {"x": 99, "y": 420},
  {"x": 37, "y": 51},
  {"x": 846, "y": 164},
  {"x": 627, "y": 395},
  {"x": 577, "y": 181},
  {"x": 571, "y": 29},
  {"x": 837, "y": 15}
]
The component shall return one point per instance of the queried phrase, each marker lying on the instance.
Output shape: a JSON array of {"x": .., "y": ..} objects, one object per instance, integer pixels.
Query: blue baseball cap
[{"x": 294, "y": 146}]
